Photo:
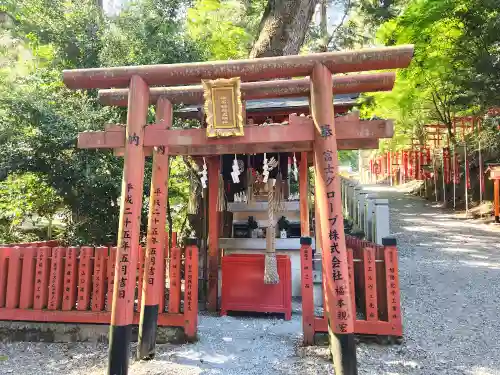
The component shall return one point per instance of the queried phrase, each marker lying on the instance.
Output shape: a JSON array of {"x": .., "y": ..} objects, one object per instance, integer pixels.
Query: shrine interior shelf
[{"x": 259, "y": 244}]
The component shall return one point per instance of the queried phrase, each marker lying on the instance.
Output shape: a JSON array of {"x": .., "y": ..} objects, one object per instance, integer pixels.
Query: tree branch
[{"x": 346, "y": 12}]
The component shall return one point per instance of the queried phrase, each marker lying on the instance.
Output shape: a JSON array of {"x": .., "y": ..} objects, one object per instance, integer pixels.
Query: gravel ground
[{"x": 449, "y": 272}]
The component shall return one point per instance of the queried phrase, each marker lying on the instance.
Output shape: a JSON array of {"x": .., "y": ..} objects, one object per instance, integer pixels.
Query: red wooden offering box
[{"x": 243, "y": 287}]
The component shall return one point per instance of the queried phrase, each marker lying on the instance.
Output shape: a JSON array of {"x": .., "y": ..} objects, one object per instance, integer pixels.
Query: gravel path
[{"x": 449, "y": 271}]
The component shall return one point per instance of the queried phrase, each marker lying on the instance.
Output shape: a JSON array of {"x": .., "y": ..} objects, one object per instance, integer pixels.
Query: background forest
[{"x": 59, "y": 191}]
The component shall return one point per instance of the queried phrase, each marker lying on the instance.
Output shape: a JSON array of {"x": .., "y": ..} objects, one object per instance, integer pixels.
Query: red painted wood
[
  {"x": 249, "y": 70},
  {"x": 328, "y": 199},
  {"x": 98, "y": 278},
  {"x": 343, "y": 144},
  {"x": 84, "y": 278},
  {"x": 28, "y": 278},
  {"x": 377, "y": 328},
  {"x": 364, "y": 327},
  {"x": 392, "y": 285},
  {"x": 172, "y": 320},
  {"x": 191, "y": 292},
  {"x": 345, "y": 84},
  {"x": 56, "y": 278},
  {"x": 174, "y": 299},
  {"x": 92, "y": 317},
  {"x": 4, "y": 263},
  {"x": 213, "y": 166},
  {"x": 130, "y": 205},
  {"x": 163, "y": 277},
  {"x": 140, "y": 278},
  {"x": 296, "y": 136},
  {"x": 154, "y": 271},
  {"x": 320, "y": 324},
  {"x": 350, "y": 268},
  {"x": 371, "y": 284},
  {"x": 358, "y": 276},
  {"x": 41, "y": 278},
  {"x": 496, "y": 197},
  {"x": 70, "y": 289},
  {"x": 243, "y": 287},
  {"x": 14, "y": 278},
  {"x": 307, "y": 288},
  {"x": 111, "y": 276},
  {"x": 381, "y": 282}
]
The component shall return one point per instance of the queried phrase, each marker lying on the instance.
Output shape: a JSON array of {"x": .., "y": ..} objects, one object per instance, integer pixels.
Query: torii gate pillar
[
  {"x": 337, "y": 294},
  {"x": 153, "y": 286},
  {"x": 122, "y": 311}
]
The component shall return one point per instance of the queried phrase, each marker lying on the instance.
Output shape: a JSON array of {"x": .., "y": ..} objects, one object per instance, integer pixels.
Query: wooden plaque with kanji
[{"x": 223, "y": 107}]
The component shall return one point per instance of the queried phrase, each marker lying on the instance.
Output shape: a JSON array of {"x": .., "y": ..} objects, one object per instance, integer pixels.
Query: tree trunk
[{"x": 283, "y": 27}]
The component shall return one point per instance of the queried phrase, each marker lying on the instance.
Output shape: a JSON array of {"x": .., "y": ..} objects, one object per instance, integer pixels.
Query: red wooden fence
[
  {"x": 374, "y": 283},
  {"x": 75, "y": 285}
]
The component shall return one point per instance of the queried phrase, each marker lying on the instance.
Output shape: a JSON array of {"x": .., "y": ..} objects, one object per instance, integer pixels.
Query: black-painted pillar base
[
  {"x": 119, "y": 349},
  {"x": 343, "y": 351},
  {"x": 147, "y": 332},
  {"x": 497, "y": 219}
]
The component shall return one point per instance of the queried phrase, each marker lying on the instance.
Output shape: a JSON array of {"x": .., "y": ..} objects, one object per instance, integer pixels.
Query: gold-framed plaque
[{"x": 223, "y": 107}]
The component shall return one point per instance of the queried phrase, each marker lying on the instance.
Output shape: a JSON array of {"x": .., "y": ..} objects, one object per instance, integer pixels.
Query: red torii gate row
[
  {"x": 419, "y": 155},
  {"x": 320, "y": 67}
]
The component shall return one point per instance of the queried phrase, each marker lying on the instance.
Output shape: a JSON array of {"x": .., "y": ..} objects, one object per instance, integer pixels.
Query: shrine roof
[{"x": 256, "y": 105}]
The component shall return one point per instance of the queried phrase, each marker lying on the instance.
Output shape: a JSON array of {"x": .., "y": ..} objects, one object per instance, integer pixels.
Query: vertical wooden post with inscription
[
  {"x": 213, "y": 232},
  {"x": 191, "y": 289},
  {"x": 334, "y": 253},
  {"x": 154, "y": 269},
  {"x": 122, "y": 310},
  {"x": 307, "y": 289}
]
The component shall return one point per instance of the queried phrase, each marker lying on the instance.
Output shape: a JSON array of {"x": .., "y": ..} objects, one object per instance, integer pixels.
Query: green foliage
[
  {"x": 60, "y": 33},
  {"x": 376, "y": 12},
  {"x": 38, "y": 126},
  {"x": 22, "y": 197},
  {"x": 148, "y": 32},
  {"x": 454, "y": 71},
  {"x": 40, "y": 118},
  {"x": 224, "y": 29},
  {"x": 348, "y": 158}
]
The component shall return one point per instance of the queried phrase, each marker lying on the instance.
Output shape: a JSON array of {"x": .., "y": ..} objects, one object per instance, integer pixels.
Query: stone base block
[{"x": 64, "y": 333}]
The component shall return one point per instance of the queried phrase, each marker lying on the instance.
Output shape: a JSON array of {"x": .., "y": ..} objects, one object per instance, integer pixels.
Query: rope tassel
[{"x": 270, "y": 265}]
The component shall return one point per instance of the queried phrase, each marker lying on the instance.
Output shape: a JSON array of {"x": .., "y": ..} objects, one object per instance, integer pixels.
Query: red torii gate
[
  {"x": 352, "y": 133},
  {"x": 465, "y": 123},
  {"x": 320, "y": 67}
]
